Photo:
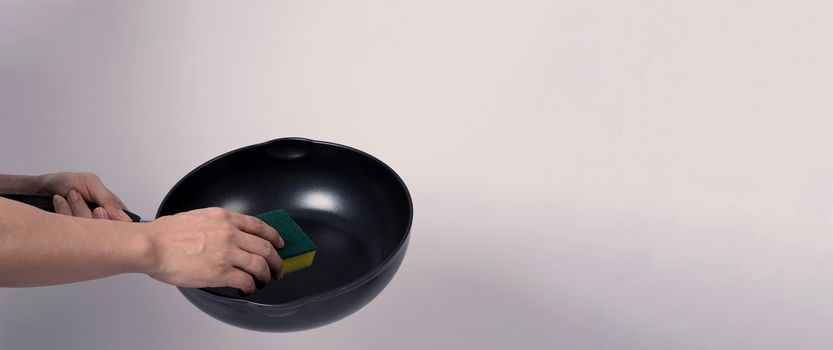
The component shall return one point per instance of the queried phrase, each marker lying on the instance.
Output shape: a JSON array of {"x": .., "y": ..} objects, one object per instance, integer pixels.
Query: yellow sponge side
[{"x": 298, "y": 262}]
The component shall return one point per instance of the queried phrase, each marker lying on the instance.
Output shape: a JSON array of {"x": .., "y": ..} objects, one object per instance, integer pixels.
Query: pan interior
[{"x": 352, "y": 206}]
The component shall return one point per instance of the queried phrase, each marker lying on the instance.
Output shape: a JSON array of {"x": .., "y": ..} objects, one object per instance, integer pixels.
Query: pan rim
[{"x": 307, "y": 299}]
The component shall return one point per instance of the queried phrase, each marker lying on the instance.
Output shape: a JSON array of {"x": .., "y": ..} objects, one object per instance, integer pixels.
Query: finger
[
  {"x": 102, "y": 196},
  {"x": 241, "y": 280},
  {"x": 100, "y": 213},
  {"x": 253, "y": 264},
  {"x": 61, "y": 205},
  {"x": 118, "y": 214},
  {"x": 252, "y": 225},
  {"x": 78, "y": 205},
  {"x": 264, "y": 249}
]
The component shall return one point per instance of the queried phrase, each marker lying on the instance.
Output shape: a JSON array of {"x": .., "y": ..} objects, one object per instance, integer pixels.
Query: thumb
[{"x": 108, "y": 200}]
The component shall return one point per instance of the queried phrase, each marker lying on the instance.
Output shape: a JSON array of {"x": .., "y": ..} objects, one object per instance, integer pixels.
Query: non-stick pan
[{"x": 355, "y": 208}]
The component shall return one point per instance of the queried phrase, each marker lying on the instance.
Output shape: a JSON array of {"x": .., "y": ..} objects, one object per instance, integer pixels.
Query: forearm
[
  {"x": 39, "y": 248},
  {"x": 19, "y": 184}
]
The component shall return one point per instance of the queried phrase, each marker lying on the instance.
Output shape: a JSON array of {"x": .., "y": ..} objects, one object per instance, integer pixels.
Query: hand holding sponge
[{"x": 299, "y": 250}]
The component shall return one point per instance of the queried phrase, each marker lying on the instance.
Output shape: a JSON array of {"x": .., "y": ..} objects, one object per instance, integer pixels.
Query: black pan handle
[{"x": 45, "y": 203}]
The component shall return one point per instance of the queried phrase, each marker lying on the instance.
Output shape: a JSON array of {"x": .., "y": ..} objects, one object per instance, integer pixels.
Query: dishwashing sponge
[{"x": 298, "y": 250}]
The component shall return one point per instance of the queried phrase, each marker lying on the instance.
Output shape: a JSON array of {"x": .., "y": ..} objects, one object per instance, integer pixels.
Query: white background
[{"x": 586, "y": 174}]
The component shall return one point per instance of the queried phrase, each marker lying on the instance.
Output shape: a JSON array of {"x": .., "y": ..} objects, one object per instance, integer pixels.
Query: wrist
[
  {"x": 144, "y": 249},
  {"x": 139, "y": 256},
  {"x": 40, "y": 185}
]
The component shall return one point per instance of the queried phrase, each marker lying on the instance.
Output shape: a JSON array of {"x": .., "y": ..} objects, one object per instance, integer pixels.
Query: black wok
[{"x": 354, "y": 207}]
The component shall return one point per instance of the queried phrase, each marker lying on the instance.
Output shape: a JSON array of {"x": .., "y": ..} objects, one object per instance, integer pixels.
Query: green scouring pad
[{"x": 298, "y": 250}]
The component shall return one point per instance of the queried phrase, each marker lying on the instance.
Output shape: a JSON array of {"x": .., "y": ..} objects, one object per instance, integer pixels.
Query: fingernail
[
  {"x": 243, "y": 294},
  {"x": 56, "y": 200},
  {"x": 281, "y": 243},
  {"x": 73, "y": 196},
  {"x": 99, "y": 213},
  {"x": 124, "y": 215}
]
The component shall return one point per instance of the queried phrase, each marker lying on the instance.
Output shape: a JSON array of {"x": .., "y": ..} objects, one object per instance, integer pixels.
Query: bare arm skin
[
  {"x": 39, "y": 248},
  {"x": 18, "y": 184},
  {"x": 202, "y": 248}
]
